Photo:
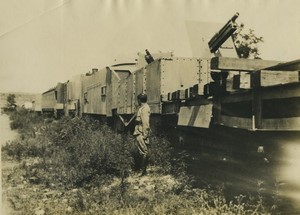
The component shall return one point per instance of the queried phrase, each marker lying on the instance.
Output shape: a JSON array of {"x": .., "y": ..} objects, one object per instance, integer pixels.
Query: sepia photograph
[{"x": 131, "y": 107}]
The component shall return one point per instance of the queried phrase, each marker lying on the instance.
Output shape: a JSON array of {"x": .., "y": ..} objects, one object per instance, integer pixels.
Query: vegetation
[
  {"x": 11, "y": 103},
  {"x": 25, "y": 121},
  {"x": 11, "y": 100},
  {"x": 246, "y": 43},
  {"x": 76, "y": 166}
]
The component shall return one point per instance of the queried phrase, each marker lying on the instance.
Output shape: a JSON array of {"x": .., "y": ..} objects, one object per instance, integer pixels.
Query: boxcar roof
[{"x": 51, "y": 89}]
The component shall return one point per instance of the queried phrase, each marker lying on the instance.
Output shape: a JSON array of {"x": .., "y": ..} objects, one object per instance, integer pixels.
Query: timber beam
[
  {"x": 288, "y": 66},
  {"x": 240, "y": 64}
]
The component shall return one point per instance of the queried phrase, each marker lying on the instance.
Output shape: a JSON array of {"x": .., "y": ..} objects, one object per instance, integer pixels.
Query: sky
[{"x": 43, "y": 42}]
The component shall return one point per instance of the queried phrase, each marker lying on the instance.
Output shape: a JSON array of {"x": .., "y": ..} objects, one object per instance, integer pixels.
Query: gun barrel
[
  {"x": 220, "y": 37},
  {"x": 235, "y": 16}
]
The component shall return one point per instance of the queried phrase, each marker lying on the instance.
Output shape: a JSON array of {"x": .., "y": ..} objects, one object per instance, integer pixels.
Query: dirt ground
[{"x": 6, "y": 134}]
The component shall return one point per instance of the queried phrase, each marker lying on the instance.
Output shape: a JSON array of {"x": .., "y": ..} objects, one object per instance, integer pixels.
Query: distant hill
[{"x": 21, "y": 98}]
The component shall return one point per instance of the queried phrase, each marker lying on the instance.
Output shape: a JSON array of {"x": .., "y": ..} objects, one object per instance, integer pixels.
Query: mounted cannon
[{"x": 221, "y": 36}]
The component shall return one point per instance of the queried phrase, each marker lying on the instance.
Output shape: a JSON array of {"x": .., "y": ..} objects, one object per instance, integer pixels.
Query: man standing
[{"x": 142, "y": 130}]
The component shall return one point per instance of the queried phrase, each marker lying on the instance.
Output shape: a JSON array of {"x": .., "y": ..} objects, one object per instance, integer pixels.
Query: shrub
[
  {"x": 14, "y": 149},
  {"x": 79, "y": 152},
  {"x": 25, "y": 121}
]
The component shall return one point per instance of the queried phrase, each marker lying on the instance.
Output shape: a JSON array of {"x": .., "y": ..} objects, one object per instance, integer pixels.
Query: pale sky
[{"x": 43, "y": 42}]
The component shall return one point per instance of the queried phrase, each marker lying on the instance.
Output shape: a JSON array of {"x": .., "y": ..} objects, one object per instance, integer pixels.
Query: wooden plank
[
  {"x": 288, "y": 66},
  {"x": 236, "y": 122},
  {"x": 187, "y": 93},
  {"x": 242, "y": 80},
  {"x": 231, "y": 82},
  {"x": 281, "y": 108},
  {"x": 201, "y": 100},
  {"x": 217, "y": 109},
  {"x": 282, "y": 91},
  {"x": 239, "y": 64},
  {"x": 181, "y": 94},
  {"x": 288, "y": 124},
  {"x": 194, "y": 90},
  {"x": 245, "y": 80},
  {"x": 237, "y": 97},
  {"x": 257, "y": 108},
  {"x": 170, "y": 107},
  {"x": 195, "y": 116},
  {"x": 272, "y": 77},
  {"x": 237, "y": 109},
  {"x": 282, "y": 124}
]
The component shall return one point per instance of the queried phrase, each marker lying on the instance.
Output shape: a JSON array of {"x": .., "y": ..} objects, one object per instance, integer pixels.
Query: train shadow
[{"x": 217, "y": 162}]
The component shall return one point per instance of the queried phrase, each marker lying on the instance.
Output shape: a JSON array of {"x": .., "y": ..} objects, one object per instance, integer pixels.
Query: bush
[
  {"x": 14, "y": 149},
  {"x": 28, "y": 147},
  {"x": 77, "y": 152},
  {"x": 25, "y": 121}
]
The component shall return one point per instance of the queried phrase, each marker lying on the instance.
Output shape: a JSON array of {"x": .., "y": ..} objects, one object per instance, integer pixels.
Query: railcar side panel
[
  {"x": 60, "y": 96},
  {"x": 94, "y": 93},
  {"x": 116, "y": 86},
  {"x": 73, "y": 95},
  {"x": 48, "y": 100},
  {"x": 153, "y": 86},
  {"x": 122, "y": 95},
  {"x": 130, "y": 94},
  {"x": 110, "y": 79},
  {"x": 178, "y": 73},
  {"x": 140, "y": 81}
]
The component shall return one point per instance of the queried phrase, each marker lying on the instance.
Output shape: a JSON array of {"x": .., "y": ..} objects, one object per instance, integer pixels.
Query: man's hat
[{"x": 142, "y": 97}]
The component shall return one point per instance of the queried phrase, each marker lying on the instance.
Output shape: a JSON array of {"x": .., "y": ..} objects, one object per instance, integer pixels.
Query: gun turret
[{"x": 220, "y": 37}]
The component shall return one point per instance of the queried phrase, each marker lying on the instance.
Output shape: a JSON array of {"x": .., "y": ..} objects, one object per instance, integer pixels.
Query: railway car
[
  {"x": 250, "y": 110},
  {"x": 156, "y": 80},
  {"x": 267, "y": 100},
  {"x": 202, "y": 100},
  {"x": 53, "y": 100},
  {"x": 100, "y": 88},
  {"x": 73, "y": 96},
  {"x": 250, "y": 105},
  {"x": 37, "y": 104},
  {"x": 109, "y": 94}
]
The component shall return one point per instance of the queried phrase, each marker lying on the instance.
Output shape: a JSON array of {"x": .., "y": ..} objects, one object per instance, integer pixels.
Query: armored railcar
[
  {"x": 204, "y": 98},
  {"x": 73, "y": 94},
  {"x": 100, "y": 89},
  {"x": 53, "y": 100}
]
